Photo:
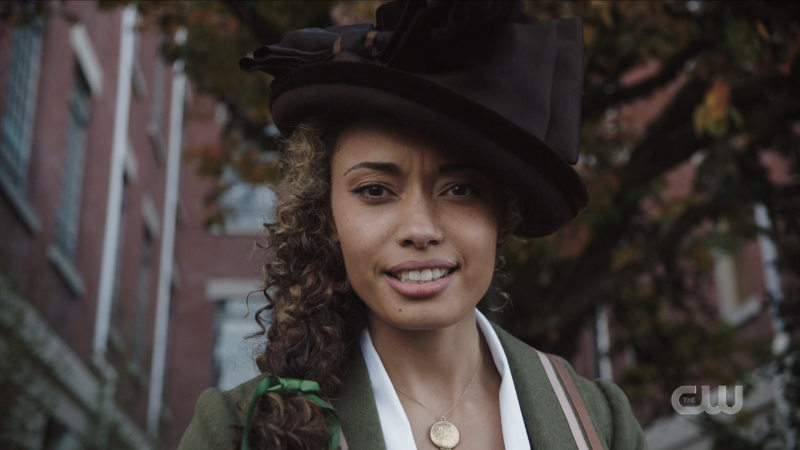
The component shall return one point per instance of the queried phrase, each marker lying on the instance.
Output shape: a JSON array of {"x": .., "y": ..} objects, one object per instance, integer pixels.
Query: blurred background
[{"x": 135, "y": 170}]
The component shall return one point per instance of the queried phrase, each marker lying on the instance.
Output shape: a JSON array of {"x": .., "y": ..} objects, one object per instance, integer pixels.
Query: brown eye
[
  {"x": 462, "y": 190},
  {"x": 372, "y": 192}
]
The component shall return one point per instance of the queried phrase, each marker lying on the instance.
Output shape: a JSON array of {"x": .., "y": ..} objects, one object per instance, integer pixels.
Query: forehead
[{"x": 381, "y": 138}]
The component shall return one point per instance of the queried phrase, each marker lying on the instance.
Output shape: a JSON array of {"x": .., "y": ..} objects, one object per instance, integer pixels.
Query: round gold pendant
[{"x": 444, "y": 435}]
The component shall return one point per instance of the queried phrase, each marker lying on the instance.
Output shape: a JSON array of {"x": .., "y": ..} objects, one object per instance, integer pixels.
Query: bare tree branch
[
  {"x": 596, "y": 100},
  {"x": 670, "y": 140}
]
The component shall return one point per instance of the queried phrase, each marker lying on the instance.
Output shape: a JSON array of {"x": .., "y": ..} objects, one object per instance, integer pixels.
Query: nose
[{"x": 419, "y": 223}]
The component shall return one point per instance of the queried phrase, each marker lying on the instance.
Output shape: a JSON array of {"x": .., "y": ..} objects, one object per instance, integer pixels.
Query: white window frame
[{"x": 87, "y": 58}]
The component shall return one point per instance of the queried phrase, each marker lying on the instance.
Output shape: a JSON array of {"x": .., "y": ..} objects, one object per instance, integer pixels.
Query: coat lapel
[
  {"x": 544, "y": 420},
  {"x": 356, "y": 407}
]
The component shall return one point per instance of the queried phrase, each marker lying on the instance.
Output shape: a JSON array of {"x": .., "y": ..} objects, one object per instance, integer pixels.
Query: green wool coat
[{"x": 545, "y": 423}]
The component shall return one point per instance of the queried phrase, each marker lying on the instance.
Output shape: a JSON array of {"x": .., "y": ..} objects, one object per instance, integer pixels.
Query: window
[
  {"x": 72, "y": 182},
  {"x": 738, "y": 294},
  {"x": 142, "y": 297},
  {"x": 115, "y": 339},
  {"x": 139, "y": 84},
  {"x": 154, "y": 127},
  {"x": 18, "y": 115},
  {"x": 234, "y": 361},
  {"x": 246, "y": 207},
  {"x": 20, "y": 104}
]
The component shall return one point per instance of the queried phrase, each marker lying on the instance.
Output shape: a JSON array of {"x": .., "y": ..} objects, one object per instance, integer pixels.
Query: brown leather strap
[{"x": 583, "y": 414}]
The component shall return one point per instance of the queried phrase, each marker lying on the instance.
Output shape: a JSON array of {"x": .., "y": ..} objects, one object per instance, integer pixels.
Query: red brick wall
[{"x": 200, "y": 256}]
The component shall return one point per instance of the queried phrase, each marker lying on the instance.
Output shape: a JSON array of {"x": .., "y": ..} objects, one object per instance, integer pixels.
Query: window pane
[
  {"x": 142, "y": 298},
  {"x": 246, "y": 206},
  {"x": 72, "y": 182},
  {"x": 17, "y": 129}
]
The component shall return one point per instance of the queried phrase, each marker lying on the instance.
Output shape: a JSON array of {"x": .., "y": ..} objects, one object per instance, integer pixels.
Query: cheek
[
  {"x": 356, "y": 243},
  {"x": 473, "y": 233},
  {"x": 359, "y": 239},
  {"x": 476, "y": 238}
]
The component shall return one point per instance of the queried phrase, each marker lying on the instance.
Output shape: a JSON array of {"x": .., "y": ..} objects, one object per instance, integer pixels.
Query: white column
[
  {"x": 158, "y": 365},
  {"x": 114, "y": 203},
  {"x": 772, "y": 282},
  {"x": 772, "y": 279},
  {"x": 603, "y": 345}
]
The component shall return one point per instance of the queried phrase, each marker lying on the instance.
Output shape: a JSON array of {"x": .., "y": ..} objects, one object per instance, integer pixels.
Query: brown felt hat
[{"x": 490, "y": 84}]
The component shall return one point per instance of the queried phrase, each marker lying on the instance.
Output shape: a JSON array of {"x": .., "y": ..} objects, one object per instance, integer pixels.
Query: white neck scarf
[{"x": 395, "y": 425}]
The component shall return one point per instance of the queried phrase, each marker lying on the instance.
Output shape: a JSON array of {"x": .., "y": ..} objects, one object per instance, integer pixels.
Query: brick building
[{"x": 112, "y": 294}]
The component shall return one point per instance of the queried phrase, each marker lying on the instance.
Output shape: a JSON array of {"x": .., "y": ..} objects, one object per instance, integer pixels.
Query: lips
[
  {"x": 421, "y": 290},
  {"x": 421, "y": 265}
]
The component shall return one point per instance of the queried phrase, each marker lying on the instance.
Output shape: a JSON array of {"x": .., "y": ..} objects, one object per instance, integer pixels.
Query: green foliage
[
  {"x": 744, "y": 43},
  {"x": 23, "y": 406}
]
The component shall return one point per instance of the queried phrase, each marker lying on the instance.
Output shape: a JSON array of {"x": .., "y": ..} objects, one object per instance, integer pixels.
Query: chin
[
  {"x": 446, "y": 308},
  {"x": 423, "y": 314}
]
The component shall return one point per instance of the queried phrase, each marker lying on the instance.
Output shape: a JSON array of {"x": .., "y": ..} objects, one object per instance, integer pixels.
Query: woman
[{"x": 414, "y": 148}]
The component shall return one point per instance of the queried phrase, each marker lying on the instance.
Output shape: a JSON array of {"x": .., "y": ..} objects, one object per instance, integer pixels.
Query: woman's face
[{"x": 418, "y": 228}]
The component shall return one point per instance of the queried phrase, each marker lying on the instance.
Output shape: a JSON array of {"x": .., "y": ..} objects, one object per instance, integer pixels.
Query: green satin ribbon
[{"x": 303, "y": 388}]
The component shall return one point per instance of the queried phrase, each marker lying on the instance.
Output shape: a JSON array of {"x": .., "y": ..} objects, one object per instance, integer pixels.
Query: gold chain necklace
[{"x": 443, "y": 433}]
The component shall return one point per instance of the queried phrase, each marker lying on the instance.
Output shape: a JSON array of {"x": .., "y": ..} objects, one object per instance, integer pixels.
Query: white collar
[{"x": 397, "y": 430}]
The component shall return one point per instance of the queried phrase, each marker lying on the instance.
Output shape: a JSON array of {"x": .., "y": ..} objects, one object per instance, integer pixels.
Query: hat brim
[{"x": 550, "y": 192}]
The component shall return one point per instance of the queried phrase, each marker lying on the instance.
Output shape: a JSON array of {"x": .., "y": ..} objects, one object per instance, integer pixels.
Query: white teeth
[{"x": 422, "y": 276}]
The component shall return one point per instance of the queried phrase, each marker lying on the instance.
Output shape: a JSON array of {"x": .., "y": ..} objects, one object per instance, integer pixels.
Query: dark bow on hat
[
  {"x": 414, "y": 36},
  {"x": 530, "y": 72}
]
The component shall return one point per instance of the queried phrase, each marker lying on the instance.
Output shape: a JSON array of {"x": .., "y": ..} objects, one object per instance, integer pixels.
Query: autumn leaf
[{"x": 715, "y": 114}]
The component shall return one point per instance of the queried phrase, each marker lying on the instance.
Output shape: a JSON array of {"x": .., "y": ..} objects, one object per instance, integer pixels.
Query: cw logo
[{"x": 722, "y": 404}]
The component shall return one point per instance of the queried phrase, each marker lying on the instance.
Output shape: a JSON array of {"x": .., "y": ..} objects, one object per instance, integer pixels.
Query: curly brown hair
[{"x": 316, "y": 317}]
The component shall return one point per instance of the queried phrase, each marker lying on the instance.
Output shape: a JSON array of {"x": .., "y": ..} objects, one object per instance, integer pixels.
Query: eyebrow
[
  {"x": 391, "y": 168},
  {"x": 394, "y": 169}
]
